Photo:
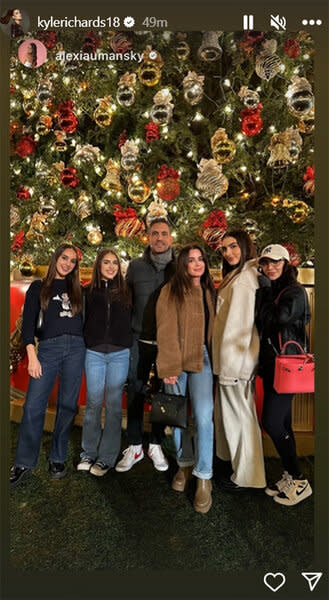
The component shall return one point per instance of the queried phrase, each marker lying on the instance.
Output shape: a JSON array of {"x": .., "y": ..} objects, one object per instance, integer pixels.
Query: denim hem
[
  {"x": 202, "y": 475},
  {"x": 186, "y": 463},
  {"x": 20, "y": 466},
  {"x": 90, "y": 455}
]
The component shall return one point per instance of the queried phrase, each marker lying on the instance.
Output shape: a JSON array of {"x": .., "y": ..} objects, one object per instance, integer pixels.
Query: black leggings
[{"x": 276, "y": 420}]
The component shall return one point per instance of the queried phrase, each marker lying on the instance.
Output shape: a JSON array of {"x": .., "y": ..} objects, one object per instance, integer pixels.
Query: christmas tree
[{"x": 211, "y": 130}]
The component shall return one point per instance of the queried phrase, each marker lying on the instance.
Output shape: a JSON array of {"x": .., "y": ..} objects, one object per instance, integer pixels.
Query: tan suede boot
[
  {"x": 202, "y": 499},
  {"x": 181, "y": 479}
]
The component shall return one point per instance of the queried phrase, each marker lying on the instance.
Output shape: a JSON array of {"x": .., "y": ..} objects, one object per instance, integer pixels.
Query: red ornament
[
  {"x": 168, "y": 187},
  {"x": 152, "y": 132},
  {"x": 23, "y": 193},
  {"x": 12, "y": 90},
  {"x": 90, "y": 43},
  {"x": 294, "y": 257},
  {"x": 128, "y": 223},
  {"x": 67, "y": 120},
  {"x": 292, "y": 48},
  {"x": 79, "y": 253},
  {"x": 252, "y": 37},
  {"x": 18, "y": 241},
  {"x": 213, "y": 229},
  {"x": 121, "y": 42},
  {"x": 122, "y": 138},
  {"x": 48, "y": 38},
  {"x": 26, "y": 146},
  {"x": 251, "y": 123},
  {"x": 69, "y": 178},
  {"x": 309, "y": 178}
]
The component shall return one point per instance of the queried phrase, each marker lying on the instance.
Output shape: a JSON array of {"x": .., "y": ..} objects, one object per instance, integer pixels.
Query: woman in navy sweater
[
  {"x": 61, "y": 351},
  {"x": 108, "y": 337}
]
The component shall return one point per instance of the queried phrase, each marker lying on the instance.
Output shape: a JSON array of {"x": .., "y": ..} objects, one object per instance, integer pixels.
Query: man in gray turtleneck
[{"x": 145, "y": 277}]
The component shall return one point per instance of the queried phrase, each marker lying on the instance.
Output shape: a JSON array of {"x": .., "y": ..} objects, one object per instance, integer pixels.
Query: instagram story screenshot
[{"x": 164, "y": 299}]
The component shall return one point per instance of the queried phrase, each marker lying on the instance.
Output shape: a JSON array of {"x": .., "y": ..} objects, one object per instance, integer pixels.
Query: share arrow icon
[{"x": 312, "y": 579}]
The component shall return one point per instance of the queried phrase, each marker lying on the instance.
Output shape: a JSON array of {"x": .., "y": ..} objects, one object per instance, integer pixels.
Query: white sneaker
[
  {"x": 294, "y": 491},
  {"x": 85, "y": 464},
  {"x": 156, "y": 455},
  {"x": 131, "y": 456},
  {"x": 274, "y": 490},
  {"x": 99, "y": 468}
]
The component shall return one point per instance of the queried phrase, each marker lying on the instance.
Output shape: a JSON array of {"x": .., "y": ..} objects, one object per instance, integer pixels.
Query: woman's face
[
  {"x": 272, "y": 268},
  {"x": 231, "y": 251},
  {"x": 65, "y": 263},
  {"x": 29, "y": 50},
  {"x": 195, "y": 265},
  {"x": 17, "y": 15},
  {"x": 109, "y": 266}
]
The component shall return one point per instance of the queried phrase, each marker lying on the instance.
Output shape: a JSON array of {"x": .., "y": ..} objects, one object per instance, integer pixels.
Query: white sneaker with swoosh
[
  {"x": 294, "y": 491},
  {"x": 131, "y": 456}
]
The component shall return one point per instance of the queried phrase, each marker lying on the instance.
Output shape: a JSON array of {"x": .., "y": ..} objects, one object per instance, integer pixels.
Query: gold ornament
[
  {"x": 38, "y": 227},
  {"x": 193, "y": 87},
  {"x": 44, "y": 91},
  {"x": 300, "y": 97},
  {"x": 156, "y": 210},
  {"x": 103, "y": 114},
  {"x": 48, "y": 207},
  {"x": 129, "y": 155},
  {"x": 138, "y": 190},
  {"x": 44, "y": 125},
  {"x": 60, "y": 143},
  {"x": 280, "y": 155},
  {"x": 14, "y": 215},
  {"x": 249, "y": 98},
  {"x": 95, "y": 237},
  {"x": 129, "y": 227},
  {"x": 297, "y": 210},
  {"x": 30, "y": 105},
  {"x": 26, "y": 267},
  {"x": 149, "y": 72},
  {"x": 222, "y": 148},
  {"x": 86, "y": 154},
  {"x": 162, "y": 110},
  {"x": 210, "y": 49},
  {"x": 126, "y": 89},
  {"x": 294, "y": 142},
  {"x": 211, "y": 182},
  {"x": 182, "y": 48},
  {"x": 83, "y": 86},
  {"x": 306, "y": 123},
  {"x": 268, "y": 64},
  {"x": 83, "y": 205},
  {"x": 111, "y": 181}
]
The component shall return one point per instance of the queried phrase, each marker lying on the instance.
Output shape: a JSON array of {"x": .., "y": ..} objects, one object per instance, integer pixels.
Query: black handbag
[{"x": 169, "y": 409}]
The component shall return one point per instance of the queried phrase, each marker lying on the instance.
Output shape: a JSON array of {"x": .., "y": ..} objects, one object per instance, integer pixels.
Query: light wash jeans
[
  {"x": 200, "y": 387},
  {"x": 106, "y": 374}
]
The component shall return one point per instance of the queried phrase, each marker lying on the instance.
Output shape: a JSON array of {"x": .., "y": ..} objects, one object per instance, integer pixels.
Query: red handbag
[{"x": 294, "y": 373}]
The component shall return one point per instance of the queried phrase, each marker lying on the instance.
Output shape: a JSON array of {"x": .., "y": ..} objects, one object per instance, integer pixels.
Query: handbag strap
[{"x": 276, "y": 301}]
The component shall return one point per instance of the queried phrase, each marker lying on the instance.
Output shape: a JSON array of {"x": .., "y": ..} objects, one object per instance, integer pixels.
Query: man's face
[{"x": 160, "y": 238}]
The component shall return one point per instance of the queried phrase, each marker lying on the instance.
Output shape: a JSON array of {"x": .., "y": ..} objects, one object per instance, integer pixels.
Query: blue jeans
[
  {"x": 200, "y": 387},
  {"x": 64, "y": 356},
  {"x": 106, "y": 374}
]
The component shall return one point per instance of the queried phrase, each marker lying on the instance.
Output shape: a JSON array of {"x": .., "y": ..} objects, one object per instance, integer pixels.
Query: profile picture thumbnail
[
  {"x": 15, "y": 22},
  {"x": 32, "y": 53}
]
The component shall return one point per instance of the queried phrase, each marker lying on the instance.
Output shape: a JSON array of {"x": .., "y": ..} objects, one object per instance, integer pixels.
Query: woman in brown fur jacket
[{"x": 185, "y": 316}]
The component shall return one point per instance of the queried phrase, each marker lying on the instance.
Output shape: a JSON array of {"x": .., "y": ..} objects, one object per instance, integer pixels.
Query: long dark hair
[
  {"x": 72, "y": 281},
  {"x": 181, "y": 282},
  {"x": 34, "y": 54},
  {"x": 288, "y": 277},
  {"x": 248, "y": 251},
  {"x": 5, "y": 20},
  {"x": 119, "y": 289}
]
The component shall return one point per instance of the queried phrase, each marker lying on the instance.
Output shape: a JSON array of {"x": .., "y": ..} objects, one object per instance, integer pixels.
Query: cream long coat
[{"x": 235, "y": 346}]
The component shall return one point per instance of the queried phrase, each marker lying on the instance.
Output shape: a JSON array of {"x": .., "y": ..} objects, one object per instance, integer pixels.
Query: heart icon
[{"x": 274, "y": 581}]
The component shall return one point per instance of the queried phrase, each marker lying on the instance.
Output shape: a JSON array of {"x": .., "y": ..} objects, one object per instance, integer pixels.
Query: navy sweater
[{"x": 58, "y": 318}]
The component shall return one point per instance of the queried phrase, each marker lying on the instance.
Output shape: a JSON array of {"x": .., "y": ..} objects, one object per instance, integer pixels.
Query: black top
[
  {"x": 107, "y": 325},
  {"x": 288, "y": 316},
  {"x": 145, "y": 283},
  {"x": 58, "y": 319}
]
